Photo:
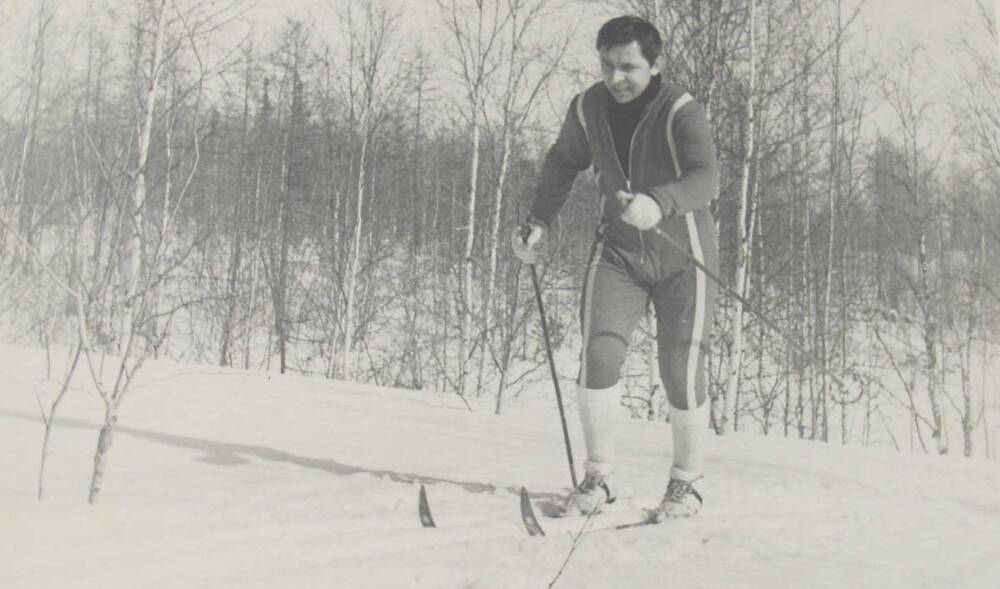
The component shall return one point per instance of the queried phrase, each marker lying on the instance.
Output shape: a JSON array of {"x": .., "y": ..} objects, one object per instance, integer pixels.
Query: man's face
[{"x": 625, "y": 71}]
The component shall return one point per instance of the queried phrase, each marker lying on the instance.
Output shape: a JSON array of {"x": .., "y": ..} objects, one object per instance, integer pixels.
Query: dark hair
[{"x": 623, "y": 30}]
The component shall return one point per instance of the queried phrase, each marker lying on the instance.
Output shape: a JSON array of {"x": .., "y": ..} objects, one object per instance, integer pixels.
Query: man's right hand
[{"x": 525, "y": 242}]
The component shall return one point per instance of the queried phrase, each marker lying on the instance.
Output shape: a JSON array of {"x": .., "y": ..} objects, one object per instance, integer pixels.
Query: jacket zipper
[{"x": 628, "y": 176}]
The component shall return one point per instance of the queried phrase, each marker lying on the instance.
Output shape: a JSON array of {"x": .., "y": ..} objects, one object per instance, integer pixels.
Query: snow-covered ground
[{"x": 223, "y": 478}]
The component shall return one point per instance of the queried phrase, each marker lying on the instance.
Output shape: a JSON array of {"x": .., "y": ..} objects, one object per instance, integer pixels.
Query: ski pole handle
[
  {"x": 525, "y": 231},
  {"x": 624, "y": 198}
]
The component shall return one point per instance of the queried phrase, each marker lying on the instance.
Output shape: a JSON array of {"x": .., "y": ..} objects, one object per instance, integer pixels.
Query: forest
[{"x": 332, "y": 194}]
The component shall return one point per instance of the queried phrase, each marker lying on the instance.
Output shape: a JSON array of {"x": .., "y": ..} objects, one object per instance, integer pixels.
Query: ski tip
[
  {"x": 528, "y": 515},
  {"x": 424, "y": 508},
  {"x": 526, "y": 501}
]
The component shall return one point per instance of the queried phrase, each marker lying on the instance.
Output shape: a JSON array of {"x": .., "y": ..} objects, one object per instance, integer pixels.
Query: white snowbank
[{"x": 224, "y": 478}]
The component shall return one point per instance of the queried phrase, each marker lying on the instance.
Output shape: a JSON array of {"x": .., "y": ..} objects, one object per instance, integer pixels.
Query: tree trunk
[
  {"x": 239, "y": 231},
  {"x": 508, "y": 342},
  {"x": 103, "y": 448},
  {"x": 931, "y": 337},
  {"x": 134, "y": 249},
  {"x": 653, "y": 382},
  {"x": 805, "y": 369},
  {"x": 833, "y": 188},
  {"x": 281, "y": 280},
  {"x": 254, "y": 266},
  {"x": 465, "y": 330},
  {"x": 350, "y": 281},
  {"x": 164, "y": 240},
  {"x": 742, "y": 240},
  {"x": 495, "y": 243},
  {"x": 49, "y": 419},
  {"x": 24, "y": 202}
]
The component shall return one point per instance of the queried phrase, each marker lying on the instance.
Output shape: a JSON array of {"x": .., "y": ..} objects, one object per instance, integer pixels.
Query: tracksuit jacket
[{"x": 673, "y": 160}]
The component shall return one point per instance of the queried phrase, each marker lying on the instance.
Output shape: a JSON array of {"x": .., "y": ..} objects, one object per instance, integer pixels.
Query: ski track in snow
[{"x": 223, "y": 478}]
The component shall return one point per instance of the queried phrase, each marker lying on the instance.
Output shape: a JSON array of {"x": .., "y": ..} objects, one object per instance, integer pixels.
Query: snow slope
[{"x": 223, "y": 478}]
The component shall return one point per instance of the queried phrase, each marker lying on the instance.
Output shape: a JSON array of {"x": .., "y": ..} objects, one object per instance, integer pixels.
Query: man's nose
[{"x": 617, "y": 76}]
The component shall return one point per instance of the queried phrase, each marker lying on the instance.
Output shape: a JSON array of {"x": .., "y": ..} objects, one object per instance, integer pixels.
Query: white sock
[
  {"x": 689, "y": 442},
  {"x": 598, "y": 411}
]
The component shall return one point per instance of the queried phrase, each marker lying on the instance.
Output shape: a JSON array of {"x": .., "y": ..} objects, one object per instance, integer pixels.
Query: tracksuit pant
[{"x": 618, "y": 287}]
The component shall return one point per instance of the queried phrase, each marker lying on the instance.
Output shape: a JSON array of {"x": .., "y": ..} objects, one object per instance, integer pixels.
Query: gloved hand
[
  {"x": 525, "y": 242},
  {"x": 641, "y": 210}
]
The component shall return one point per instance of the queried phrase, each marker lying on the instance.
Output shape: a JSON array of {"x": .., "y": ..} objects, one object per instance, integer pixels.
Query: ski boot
[
  {"x": 595, "y": 491},
  {"x": 680, "y": 500}
]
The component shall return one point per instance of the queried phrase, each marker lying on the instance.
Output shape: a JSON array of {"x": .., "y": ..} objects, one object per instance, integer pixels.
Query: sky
[
  {"x": 933, "y": 23},
  {"x": 885, "y": 25}
]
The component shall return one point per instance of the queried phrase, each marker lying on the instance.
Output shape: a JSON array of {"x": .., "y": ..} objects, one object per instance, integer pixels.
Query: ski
[
  {"x": 572, "y": 524},
  {"x": 603, "y": 522}
]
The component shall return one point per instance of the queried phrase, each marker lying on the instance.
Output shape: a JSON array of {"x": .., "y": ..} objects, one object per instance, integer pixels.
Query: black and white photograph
[{"x": 500, "y": 294}]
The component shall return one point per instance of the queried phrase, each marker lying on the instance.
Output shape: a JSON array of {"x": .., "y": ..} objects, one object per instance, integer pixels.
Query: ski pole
[
  {"x": 552, "y": 370},
  {"x": 750, "y": 308}
]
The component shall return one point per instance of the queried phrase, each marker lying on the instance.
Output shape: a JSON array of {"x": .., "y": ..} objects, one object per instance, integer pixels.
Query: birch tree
[
  {"x": 241, "y": 221},
  {"x": 370, "y": 37},
  {"x": 134, "y": 297},
  {"x": 474, "y": 38},
  {"x": 913, "y": 174},
  {"x": 134, "y": 247},
  {"x": 18, "y": 194},
  {"x": 975, "y": 229},
  {"x": 735, "y": 362},
  {"x": 529, "y": 66},
  {"x": 292, "y": 185}
]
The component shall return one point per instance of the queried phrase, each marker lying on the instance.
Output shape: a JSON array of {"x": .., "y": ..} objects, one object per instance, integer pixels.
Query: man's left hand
[{"x": 641, "y": 211}]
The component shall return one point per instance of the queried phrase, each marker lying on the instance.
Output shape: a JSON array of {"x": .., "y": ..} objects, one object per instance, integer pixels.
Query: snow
[{"x": 226, "y": 478}]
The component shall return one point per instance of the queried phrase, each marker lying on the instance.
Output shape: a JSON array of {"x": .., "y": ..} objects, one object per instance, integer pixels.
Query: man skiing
[{"x": 653, "y": 155}]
